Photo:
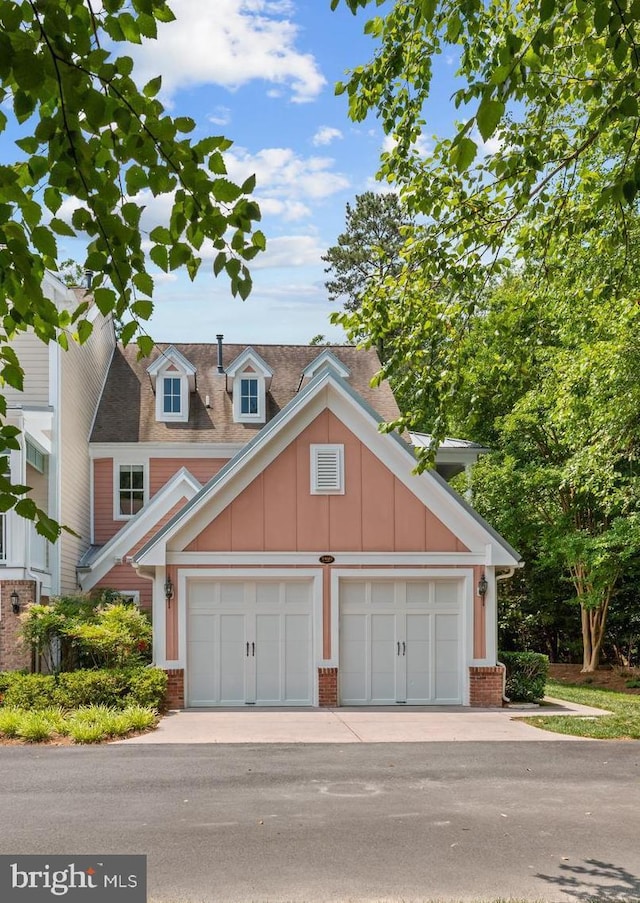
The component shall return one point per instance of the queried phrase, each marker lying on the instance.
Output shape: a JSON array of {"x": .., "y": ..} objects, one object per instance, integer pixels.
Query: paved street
[{"x": 464, "y": 821}]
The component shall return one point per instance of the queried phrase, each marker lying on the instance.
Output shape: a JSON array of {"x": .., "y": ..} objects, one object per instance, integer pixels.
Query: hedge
[
  {"x": 117, "y": 688},
  {"x": 526, "y": 675}
]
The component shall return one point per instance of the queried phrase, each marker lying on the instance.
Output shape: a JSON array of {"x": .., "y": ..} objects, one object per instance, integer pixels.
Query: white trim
[
  {"x": 143, "y": 451},
  {"x": 465, "y": 575},
  {"x": 249, "y": 356},
  {"x": 181, "y": 485},
  {"x": 342, "y": 559},
  {"x": 261, "y": 391},
  {"x": 326, "y": 358},
  {"x": 181, "y": 416},
  {"x": 124, "y": 462},
  {"x": 328, "y": 392}
]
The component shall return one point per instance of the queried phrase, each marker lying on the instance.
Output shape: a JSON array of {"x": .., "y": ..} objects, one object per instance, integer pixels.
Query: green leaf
[
  {"x": 489, "y": 114},
  {"x": 152, "y": 87},
  {"x": 44, "y": 241},
  {"x": 105, "y": 299},
  {"x": 61, "y": 228},
  {"x": 144, "y": 283},
  {"x": 142, "y": 309},
  {"x": 463, "y": 153},
  {"x": 225, "y": 191}
]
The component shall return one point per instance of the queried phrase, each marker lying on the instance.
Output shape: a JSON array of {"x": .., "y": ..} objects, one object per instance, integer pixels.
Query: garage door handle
[
  {"x": 404, "y": 648},
  {"x": 247, "y": 649},
  {"x": 253, "y": 649},
  {"x": 398, "y": 652}
]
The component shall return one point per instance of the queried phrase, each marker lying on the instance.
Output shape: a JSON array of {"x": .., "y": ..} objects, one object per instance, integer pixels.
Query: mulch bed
[{"x": 603, "y": 679}]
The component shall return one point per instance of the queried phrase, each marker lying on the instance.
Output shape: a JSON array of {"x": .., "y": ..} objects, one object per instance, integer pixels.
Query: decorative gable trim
[
  {"x": 328, "y": 391},
  {"x": 326, "y": 359}
]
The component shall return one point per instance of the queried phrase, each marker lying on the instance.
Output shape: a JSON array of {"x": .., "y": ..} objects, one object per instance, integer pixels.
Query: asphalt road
[{"x": 467, "y": 821}]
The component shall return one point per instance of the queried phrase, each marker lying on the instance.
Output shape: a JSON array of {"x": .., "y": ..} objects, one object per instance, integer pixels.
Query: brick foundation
[
  {"x": 328, "y": 686},
  {"x": 174, "y": 697},
  {"x": 485, "y": 686},
  {"x": 14, "y": 655}
]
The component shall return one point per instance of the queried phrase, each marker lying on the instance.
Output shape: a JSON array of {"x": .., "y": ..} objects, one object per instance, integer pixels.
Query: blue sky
[{"x": 262, "y": 73}]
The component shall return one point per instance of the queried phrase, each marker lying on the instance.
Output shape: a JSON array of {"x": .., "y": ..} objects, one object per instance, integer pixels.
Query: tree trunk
[{"x": 593, "y": 624}]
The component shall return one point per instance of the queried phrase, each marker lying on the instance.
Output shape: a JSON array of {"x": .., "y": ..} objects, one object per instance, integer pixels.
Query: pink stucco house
[{"x": 287, "y": 551}]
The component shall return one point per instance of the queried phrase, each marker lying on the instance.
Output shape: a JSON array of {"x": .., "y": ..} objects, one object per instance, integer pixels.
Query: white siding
[
  {"x": 34, "y": 359},
  {"x": 83, "y": 371}
]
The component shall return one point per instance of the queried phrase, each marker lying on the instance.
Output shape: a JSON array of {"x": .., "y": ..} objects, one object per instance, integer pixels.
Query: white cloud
[
  {"x": 281, "y": 172},
  {"x": 289, "y": 210},
  {"x": 490, "y": 146},
  {"x": 229, "y": 43},
  {"x": 325, "y": 135},
  {"x": 422, "y": 146},
  {"x": 220, "y": 116},
  {"x": 290, "y": 251}
]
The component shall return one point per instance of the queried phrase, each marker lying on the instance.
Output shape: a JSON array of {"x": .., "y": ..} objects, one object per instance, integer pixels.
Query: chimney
[
  {"x": 220, "y": 367},
  {"x": 88, "y": 279}
]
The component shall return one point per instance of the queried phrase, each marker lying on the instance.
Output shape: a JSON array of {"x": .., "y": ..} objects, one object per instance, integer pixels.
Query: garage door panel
[
  {"x": 418, "y": 663},
  {"x": 410, "y": 652},
  {"x": 246, "y": 646}
]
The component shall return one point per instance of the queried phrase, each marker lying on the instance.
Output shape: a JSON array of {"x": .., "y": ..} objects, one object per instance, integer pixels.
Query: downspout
[{"x": 505, "y": 699}]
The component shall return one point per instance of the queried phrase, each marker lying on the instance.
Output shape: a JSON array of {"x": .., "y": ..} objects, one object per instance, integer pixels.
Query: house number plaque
[{"x": 327, "y": 559}]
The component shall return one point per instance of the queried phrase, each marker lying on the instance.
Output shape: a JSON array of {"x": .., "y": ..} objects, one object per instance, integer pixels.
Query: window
[
  {"x": 172, "y": 395},
  {"x": 249, "y": 396},
  {"x": 131, "y": 489},
  {"x": 327, "y": 470}
]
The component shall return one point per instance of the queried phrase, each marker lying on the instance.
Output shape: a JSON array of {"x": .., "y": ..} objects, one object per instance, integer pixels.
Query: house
[
  {"x": 285, "y": 547},
  {"x": 54, "y": 413}
]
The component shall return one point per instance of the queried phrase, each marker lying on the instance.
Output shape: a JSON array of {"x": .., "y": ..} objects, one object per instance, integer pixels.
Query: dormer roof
[
  {"x": 326, "y": 359},
  {"x": 249, "y": 360},
  {"x": 171, "y": 356}
]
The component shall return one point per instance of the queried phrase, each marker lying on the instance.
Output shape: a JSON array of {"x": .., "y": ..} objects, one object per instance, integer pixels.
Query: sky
[{"x": 262, "y": 73}]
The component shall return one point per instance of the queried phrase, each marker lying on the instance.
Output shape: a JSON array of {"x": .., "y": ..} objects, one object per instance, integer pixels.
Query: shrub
[
  {"x": 147, "y": 687},
  {"x": 116, "y": 688},
  {"x": 10, "y": 720},
  {"x": 526, "y": 675},
  {"x": 40, "y": 725}
]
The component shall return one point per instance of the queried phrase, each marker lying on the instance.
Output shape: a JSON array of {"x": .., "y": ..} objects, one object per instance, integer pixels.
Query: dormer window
[
  {"x": 172, "y": 395},
  {"x": 173, "y": 378},
  {"x": 248, "y": 380},
  {"x": 249, "y": 396}
]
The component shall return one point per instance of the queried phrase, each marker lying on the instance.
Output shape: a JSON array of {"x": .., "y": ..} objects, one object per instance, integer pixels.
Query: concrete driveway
[{"x": 426, "y": 724}]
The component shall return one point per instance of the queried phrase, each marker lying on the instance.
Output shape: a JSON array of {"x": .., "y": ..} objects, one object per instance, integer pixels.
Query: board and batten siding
[
  {"x": 82, "y": 373},
  {"x": 278, "y": 513}
]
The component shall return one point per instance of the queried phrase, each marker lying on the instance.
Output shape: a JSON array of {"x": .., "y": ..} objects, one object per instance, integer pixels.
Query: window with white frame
[
  {"x": 249, "y": 405},
  {"x": 172, "y": 395},
  {"x": 327, "y": 470},
  {"x": 131, "y": 489}
]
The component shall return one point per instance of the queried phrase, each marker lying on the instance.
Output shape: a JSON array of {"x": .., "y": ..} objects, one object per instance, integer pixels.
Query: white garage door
[
  {"x": 249, "y": 642},
  {"x": 401, "y": 642}
]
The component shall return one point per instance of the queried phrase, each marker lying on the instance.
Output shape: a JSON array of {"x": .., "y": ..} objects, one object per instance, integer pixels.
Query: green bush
[
  {"x": 116, "y": 688},
  {"x": 526, "y": 675}
]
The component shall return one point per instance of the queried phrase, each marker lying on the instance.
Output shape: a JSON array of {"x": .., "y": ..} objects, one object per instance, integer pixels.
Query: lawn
[{"x": 622, "y": 724}]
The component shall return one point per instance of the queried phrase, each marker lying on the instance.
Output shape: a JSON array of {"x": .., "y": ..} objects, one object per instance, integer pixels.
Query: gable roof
[
  {"x": 97, "y": 561},
  {"x": 127, "y": 411},
  {"x": 327, "y": 389}
]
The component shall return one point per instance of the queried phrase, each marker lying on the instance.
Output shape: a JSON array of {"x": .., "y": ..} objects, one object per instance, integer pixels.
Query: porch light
[
  {"x": 15, "y": 602},
  {"x": 168, "y": 590},
  {"x": 483, "y": 586}
]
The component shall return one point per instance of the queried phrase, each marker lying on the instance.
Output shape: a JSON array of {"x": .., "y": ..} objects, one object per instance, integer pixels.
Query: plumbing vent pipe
[{"x": 220, "y": 367}]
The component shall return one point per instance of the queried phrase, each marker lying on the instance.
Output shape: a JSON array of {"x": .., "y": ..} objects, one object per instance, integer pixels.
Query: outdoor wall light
[
  {"x": 168, "y": 590},
  {"x": 483, "y": 586},
  {"x": 15, "y": 602}
]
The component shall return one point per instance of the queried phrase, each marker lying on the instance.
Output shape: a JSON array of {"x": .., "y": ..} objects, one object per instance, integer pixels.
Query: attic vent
[
  {"x": 35, "y": 457},
  {"x": 327, "y": 469}
]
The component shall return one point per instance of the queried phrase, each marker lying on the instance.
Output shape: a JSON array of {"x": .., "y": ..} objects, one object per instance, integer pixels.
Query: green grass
[
  {"x": 622, "y": 724},
  {"x": 89, "y": 724}
]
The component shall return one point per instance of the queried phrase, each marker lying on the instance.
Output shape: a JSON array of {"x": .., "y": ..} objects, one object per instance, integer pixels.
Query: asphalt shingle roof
[{"x": 127, "y": 410}]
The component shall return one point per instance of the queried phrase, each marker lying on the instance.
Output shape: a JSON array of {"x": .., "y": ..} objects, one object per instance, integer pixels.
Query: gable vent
[{"x": 327, "y": 469}]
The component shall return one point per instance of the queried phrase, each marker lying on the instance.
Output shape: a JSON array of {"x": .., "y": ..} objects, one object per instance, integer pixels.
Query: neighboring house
[
  {"x": 285, "y": 547},
  {"x": 55, "y": 413}
]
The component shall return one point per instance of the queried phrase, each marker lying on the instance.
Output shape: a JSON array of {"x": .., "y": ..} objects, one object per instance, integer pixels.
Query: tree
[
  {"x": 94, "y": 142},
  {"x": 368, "y": 251},
  {"x": 550, "y": 383},
  {"x": 549, "y": 137}
]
